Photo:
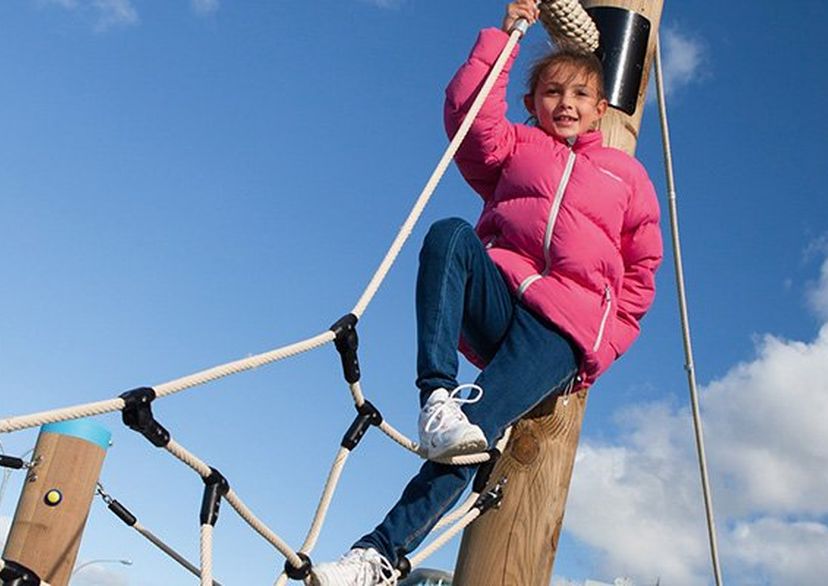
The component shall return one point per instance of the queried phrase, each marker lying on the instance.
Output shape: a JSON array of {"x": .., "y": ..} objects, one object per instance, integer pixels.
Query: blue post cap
[{"x": 83, "y": 429}]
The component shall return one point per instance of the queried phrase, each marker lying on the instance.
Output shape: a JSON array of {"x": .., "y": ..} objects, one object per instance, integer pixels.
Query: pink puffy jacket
[{"x": 574, "y": 229}]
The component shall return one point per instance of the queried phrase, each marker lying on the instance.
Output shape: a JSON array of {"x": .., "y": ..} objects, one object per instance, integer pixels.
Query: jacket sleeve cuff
[{"x": 490, "y": 43}]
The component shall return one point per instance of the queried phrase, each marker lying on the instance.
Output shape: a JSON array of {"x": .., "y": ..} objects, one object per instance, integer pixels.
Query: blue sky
[{"x": 187, "y": 183}]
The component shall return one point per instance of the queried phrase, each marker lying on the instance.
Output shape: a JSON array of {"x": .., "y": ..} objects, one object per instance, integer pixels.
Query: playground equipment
[{"x": 510, "y": 546}]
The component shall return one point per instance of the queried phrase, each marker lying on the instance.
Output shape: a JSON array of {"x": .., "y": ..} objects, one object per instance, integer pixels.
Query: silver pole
[
  {"x": 169, "y": 551},
  {"x": 685, "y": 322}
]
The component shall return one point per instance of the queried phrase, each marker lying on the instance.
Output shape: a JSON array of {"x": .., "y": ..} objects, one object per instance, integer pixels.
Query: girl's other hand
[{"x": 527, "y": 9}]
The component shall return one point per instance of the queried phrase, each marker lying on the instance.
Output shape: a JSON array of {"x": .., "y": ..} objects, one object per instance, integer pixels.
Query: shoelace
[
  {"x": 452, "y": 406},
  {"x": 387, "y": 573},
  {"x": 371, "y": 568}
]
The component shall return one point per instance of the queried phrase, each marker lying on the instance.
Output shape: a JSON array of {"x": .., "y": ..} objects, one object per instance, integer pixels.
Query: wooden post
[
  {"x": 515, "y": 545},
  {"x": 48, "y": 524}
]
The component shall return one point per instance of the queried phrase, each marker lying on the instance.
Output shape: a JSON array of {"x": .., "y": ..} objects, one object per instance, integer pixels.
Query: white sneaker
[
  {"x": 358, "y": 567},
  {"x": 444, "y": 428}
]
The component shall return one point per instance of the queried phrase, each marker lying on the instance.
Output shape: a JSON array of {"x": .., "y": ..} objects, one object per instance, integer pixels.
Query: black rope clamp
[
  {"x": 346, "y": 343},
  {"x": 12, "y": 462},
  {"x": 491, "y": 498},
  {"x": 403, "y": 566},
  {"x": 215, "y": 487},
  {"x": 122, "y": 513},
  {"x": 302, "y": 571},
  {"x": 367, "y": 415},
  {"x": 484, "y": 471},
  {"x": 15, "y": 574},
  {"x": 137, "y": 415}
]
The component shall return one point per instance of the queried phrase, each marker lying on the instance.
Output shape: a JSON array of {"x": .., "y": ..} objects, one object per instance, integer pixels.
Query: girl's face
[{"x": 566, "y": 101}]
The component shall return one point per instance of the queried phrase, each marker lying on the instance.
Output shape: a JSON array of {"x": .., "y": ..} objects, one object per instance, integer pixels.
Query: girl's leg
[
  {"x": 459, "y": 289},
  {"x": 533, "y": 362}
]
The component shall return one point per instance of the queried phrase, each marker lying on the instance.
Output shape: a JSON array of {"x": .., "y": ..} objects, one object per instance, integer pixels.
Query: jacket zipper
[
  {"x": 550, "y": 224},
  {"x": 556, "y": 208},
  {"x": 607, "y": 307}
]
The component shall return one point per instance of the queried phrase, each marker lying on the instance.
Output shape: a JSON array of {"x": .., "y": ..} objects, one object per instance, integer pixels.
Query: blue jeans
[{"x": 460, "y": 291}]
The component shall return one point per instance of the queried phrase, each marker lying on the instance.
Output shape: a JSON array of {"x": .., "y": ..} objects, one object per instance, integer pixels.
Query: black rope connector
[
  {"x": 122, "y": 513},
  {"x": 12, "y": 462},
  {"x": 215, "y": 487},
  {"x": 137, "y": 415},
  {"x": 15, "y": 574},
  {"x": 491, "y": 498},
  {"x": 346, "y": 343},
  {"x": 367, "y": 415},
  {"x": 403, "y": 566},
  {"x": 484, "y": 471},
  {"x": 302, "y": 571}
]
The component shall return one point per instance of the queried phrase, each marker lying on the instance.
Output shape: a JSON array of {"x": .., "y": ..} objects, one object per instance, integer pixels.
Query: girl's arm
[
  {"x": 491, "y": 137},
  {"x": 642, "y": 251}
]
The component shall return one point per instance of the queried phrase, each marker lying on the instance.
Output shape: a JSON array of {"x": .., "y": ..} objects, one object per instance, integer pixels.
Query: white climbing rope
[
  {"x": 203, "y": 470},
  {"x": 445, "y": 537},
  {"x": 168, "y": 388},
  {"x": 262, "y": 529},
  {"x": 437, "y": 174},
  {"x": 180, "y": 452},
  {"x": 44, "y": 417},
  {"x": 325, "y": 500},
  {"x": 217, "y": 372},
  {"x": 206, "y": 555}
]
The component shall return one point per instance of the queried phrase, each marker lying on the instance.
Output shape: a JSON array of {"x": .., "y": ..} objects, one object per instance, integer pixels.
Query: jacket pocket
[{"x": 604, "y": 317}]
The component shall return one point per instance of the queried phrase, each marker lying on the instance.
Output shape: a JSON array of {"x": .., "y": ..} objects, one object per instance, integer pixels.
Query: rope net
[{"x": 569, "y": 24}]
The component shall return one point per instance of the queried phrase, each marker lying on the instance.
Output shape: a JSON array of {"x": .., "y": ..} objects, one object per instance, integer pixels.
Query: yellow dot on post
[{"x": 53, "y": 497}]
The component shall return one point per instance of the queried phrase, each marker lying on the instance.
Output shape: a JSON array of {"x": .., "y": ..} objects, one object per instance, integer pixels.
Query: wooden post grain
[
  {"x": 48, "y": 525},
  {"x": 516, "y": 544}
]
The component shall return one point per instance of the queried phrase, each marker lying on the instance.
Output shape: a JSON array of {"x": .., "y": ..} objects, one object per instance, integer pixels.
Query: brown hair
[{"x": 581, "y": 60}]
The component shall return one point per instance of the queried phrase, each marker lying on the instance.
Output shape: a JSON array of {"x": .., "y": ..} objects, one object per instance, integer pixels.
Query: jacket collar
[{"x": 586, "y": 141}]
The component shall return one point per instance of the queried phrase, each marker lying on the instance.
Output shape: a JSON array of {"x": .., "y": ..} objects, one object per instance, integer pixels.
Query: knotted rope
[{"x": 568, "y": 23}]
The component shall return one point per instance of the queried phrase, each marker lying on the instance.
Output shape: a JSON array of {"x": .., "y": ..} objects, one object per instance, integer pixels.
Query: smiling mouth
[{"x": 564, "y": 119}]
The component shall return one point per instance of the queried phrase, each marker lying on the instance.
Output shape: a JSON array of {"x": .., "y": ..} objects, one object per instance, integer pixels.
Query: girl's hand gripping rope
[{"x": 526, "y": 10}]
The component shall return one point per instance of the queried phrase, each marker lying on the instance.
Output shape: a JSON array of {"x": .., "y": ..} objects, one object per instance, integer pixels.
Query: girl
[{"x": 546, "y": 292}]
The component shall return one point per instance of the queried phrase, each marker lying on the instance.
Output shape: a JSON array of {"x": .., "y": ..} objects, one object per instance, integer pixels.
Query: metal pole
[{"x": 685, "y": 322}]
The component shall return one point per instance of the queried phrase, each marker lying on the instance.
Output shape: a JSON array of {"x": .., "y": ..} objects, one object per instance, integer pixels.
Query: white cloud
[
  {"x": 386, "y": 3},
  {"x": 204, "y": 6},
  {"x": 112, "y": 13},
  {"x": 556, "y": 581},
  {"x": 788, "y": 553},
  {"x": 106, "y": 13},
  {"x": 682, "y": 58},
  {"x": 817, "y": 292},
  {"x": 639, "y": 502},
  {"x": 68, "y": 4}
]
